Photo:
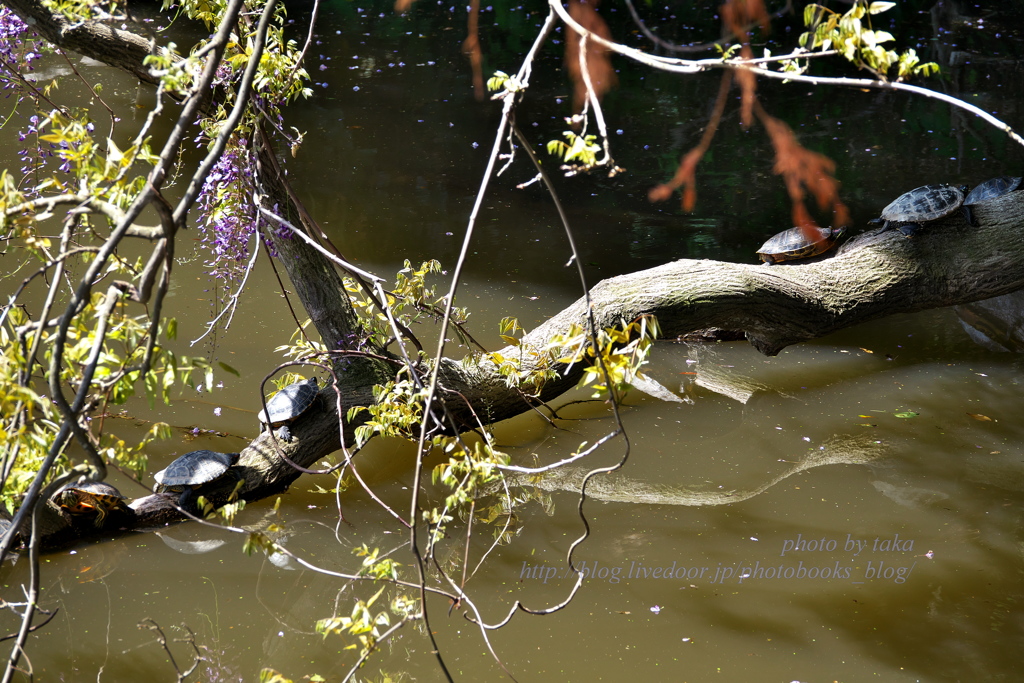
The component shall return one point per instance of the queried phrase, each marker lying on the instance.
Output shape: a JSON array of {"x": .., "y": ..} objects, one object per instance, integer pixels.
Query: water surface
[{"x": 912, "y": 570}]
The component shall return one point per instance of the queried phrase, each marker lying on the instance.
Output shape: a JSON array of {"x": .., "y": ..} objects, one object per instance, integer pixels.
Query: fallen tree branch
[{"x": 874, "y": 275}]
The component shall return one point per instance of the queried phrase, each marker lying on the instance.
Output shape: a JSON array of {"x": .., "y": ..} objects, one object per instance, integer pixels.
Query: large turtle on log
[
  {"x": 911, "y": 210},
  {"x": 191, "y": 471},
  {"x": 990, "y": 189},
  {"x": 793, "y": 244},
  {"x": 287, "y": 405}
]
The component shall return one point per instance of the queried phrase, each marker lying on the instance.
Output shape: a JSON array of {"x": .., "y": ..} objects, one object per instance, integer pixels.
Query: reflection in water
[
  {"x": 909, "y": 496},
  {"x": 997, "y": 324},
  {"x": 615, "y": 487}
]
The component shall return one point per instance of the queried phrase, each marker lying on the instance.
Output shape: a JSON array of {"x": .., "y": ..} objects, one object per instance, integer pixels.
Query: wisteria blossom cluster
[
  {"x": 17, "y": 50},
  {"x": 228, "y": 212}
]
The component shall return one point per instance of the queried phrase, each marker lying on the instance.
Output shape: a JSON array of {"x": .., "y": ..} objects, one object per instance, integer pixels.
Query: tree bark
[
  {"x": 873, "y": 275},
  {"x": 117, "y": 47}
]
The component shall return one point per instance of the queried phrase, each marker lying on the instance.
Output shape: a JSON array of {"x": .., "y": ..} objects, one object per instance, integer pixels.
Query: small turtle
[
  {"x": 287, "y": 405},
  {"x": 990, "y": 189},
  {"x": 91, "y": 498},
  {"x": 921, "y": 205},
  {"x": 191, "y": 471},
  {"x": 793, "y": 244}
]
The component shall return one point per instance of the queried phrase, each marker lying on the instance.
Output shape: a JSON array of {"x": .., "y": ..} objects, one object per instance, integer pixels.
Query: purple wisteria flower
[
  {"x": 17, "y": 52},
  {"x": 228, "y": 213}
]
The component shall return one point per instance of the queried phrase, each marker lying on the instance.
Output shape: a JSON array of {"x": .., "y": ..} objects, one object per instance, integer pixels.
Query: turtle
[
  {"x": 911, "y": 210},
  {"x": 91, "y": 498},
  {"x": 793, "y": 244},
  {"x": 287, "y": 405},
  {"x": 990, "y": 189},
  {"x": 191, "y": 471}
]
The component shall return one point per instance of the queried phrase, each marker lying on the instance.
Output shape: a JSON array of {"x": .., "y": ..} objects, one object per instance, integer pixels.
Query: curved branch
[{"x": 694, "y": 66}]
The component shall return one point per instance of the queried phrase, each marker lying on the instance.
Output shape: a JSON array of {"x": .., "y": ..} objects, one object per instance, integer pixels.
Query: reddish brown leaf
[
  {"x": 748, "y": 90},
  {"x": 981, "y": 418},
  {"x": 660, "y": 193},
  {"x": 686, "y": 174},
  {"x": 471, "y": 47},
  {"x": 740, "y": 15},
  {"x": 802, "y": 169},
  {"x": 689, "y": 198},
  {"x": 598, "y": 61}
]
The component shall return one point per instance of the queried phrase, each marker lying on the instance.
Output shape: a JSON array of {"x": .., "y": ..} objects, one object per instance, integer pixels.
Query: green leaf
[
  {"x": 906, "y": 414},
  {"x": 227, "y": 368},
  {"x": 810, "y": 13}
]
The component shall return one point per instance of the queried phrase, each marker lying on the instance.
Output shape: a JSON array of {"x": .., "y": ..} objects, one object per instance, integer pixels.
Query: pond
[{"x": 847, "y": 510}]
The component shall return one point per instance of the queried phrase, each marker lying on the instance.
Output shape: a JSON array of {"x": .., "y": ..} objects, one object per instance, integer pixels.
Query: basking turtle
[
  {"x": 91, "y": 498},
  {"x": 990, "y": 189},
  {"x": 793, "y": 244},
  {"x": 191, "y": 471},
  {"x": 911, "y": 210},
  {"x": 287, "y": 405}
]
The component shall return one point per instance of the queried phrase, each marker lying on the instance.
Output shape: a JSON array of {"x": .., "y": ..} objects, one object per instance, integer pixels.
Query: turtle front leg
[
  {"x": 284, "y": 434},
  {"x": 185, "y": 498},
  {"x": 909, "y": 229}
]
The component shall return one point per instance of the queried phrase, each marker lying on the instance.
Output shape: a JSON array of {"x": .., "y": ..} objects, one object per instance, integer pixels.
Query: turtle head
[{"x": 66, "y": 497}]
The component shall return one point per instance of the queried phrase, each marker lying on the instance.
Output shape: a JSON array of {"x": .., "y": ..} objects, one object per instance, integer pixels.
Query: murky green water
[{"x": 900, "y": 561}]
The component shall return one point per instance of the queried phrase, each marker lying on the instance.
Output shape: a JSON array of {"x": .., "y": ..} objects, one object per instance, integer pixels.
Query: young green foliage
[
  {"x": 411, "y": 301},
  {"x": 859, "y": 43},
  {"x": 580, "y": 151},
  {"x": 618, "y": 356}
]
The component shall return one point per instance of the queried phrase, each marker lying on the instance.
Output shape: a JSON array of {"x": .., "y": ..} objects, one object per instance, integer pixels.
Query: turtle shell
[
  {"x": 88, "y": 496},
  {"x": 990, "y": 189},
  {"x": 926, "y": 203},
  {"x": 793, "y": 244},
  {"x": 193, "y": 469},
  {"x": 91, "y": 497},
  {"x": 290, "y": 402}
]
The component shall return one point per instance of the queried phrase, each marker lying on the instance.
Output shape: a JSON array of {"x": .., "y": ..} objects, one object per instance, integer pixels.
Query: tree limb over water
[{"x": 874, "y": 275}]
